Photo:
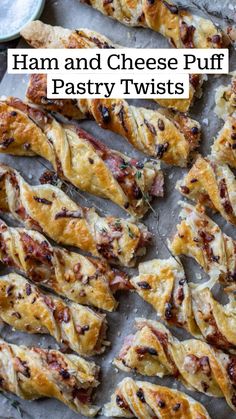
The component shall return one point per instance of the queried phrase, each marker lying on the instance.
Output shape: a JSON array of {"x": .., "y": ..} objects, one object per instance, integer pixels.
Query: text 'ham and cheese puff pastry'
[
  {"x": 225, "y": 99},
  {"x": 154, "y": 351},
  {"x": 48, "y": 209},
  {"x": 162, "y": 283},
  {"x": 83, "y": 280},
  {"x": 202, "y": 239},
  {"x": 140, "y": 399},
  {"x": 79, "y": 158},
  {"x": 33, "y": 373},
  {"x": 211, "y": 184},
  {"x": 166, "y": 135},
  {"x": 41, "y": 35},
  {"x": 179, "y": 26},
  {"x": 25, "y": 307},
  {"x": 224, "y": 146}
]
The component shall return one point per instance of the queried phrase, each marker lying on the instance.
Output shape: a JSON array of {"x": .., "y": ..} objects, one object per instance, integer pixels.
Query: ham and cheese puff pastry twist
[
  {"x": 26, "y": 308},
  {"x": 180, "y": 27},
  {"x": 140, "y": 399},
  {"x": 83, "y": 280},
  {"x": 33, "y": 373},
  {"x": 41, "y": 35},
  {"x": 163, "y": 134},
  {"x": 162, "y": 283},
  {"x": 224, "y": 146},
  {"x": 211, "y": 184},
  {"x": 153, "y": 351},
  {"x": 225, "y": 99},
  {"x": 48, "y": 209},
  {"x": 79, "y": 158},
  {"x": 202, "y": 239}
]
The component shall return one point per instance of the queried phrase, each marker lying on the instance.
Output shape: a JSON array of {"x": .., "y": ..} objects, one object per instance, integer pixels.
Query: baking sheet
[{"x": 72, "y": 14}]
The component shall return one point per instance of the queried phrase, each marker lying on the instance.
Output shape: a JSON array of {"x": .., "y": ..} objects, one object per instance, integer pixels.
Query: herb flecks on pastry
[
  {"x": 84, "y": 280},
  {"x": 179, "y": 26},
  {"x": 33, "y": 373},
  {"x": 202, "y": 239},
  {"x": 26, "y": 308},
  {"x": 140, "y": 399},
  {"x": 48, "y": 209},
  {"x": 212, "y": 184},
  {"x": 162, "y": 283},
  {"x": 41, "y": 35},
  {"x": 79, "y": 157},
  {"x": 225, "y": 99},
  {"x": 163, "y": 134},
  {"x": 224, "y": 146},
  {"x": 154, "y": 351}
]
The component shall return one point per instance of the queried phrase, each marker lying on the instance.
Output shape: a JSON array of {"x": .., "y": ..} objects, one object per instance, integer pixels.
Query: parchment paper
[{"x": 72, "y": 14}]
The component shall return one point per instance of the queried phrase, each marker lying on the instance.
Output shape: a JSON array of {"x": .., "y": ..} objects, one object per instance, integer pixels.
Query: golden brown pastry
[
  {"x": 79, "y": 158},
  {"x": 41, "y": 35},
  {"x": 225, "y": 99},
  {"x": 162, "y": 283},
  {"x": 33, "y": 373},
  {"x": 48, "y": 209},
  {"x": 224, "y": 147},
  {"x": 153, "y": 351},
  {"x": 83, "y": 280},
  {"x": 163, "y": 134},
  {"x": 179, "y": 26},
  {"x": 195, "y": 92},
  {"x": 202, "y": 239},
  {"x": 211, "y": 184},
  {"x": 26, "y": 308},
  {"x": 140, "y": 399}
]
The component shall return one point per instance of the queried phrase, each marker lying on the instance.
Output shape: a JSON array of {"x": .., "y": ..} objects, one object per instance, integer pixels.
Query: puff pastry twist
[
  {"x": 162, "y": 283},
  {"x": 48, "y": 209},
  {"x": 211, "y": 184},
  {"x": 32, "y": 373},
  {"x": 25, "y": 307},
  {"x": 224, "y": 146},
  {"x": 79, "y": 158},
  {"x": 154, "y": 351},
  {"x": 163, "y": 134},
  {"x": 180, "y": 27},
  {"x": 140, "y": 399},
  {"x": 41, "y": 35},
  {"x": 83, "y": 280},
  {"x": 200, "y": 238},
  {"x": 225, "y": 98}
]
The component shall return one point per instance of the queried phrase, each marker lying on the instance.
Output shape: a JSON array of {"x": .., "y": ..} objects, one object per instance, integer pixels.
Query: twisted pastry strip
[
  {"x": 180, "y": 27},
  {"x": 224, "y": 147},
  {"x": 212, "y": 185},
  {"x": 40, "y": 35},
  {"x": 154, "y": 351},
  {"x": 162, "y": 284},
  {"x": 79, "y": 158},
  {"x": 47, "y": 209},
  {"x": 141, "y": 400},
  {"x": 83, "y": 280},
  {"x": 169, "y": 136},
  {"x": 25, "y": 307},
  {"x": 200, "y": 238},
  {"x": 32, "y": 373},
  {"x": 225, "y": 99}
]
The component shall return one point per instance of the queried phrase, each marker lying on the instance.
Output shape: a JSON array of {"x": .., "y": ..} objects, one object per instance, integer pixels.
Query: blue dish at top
[{"x": 15, "y": 14}]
